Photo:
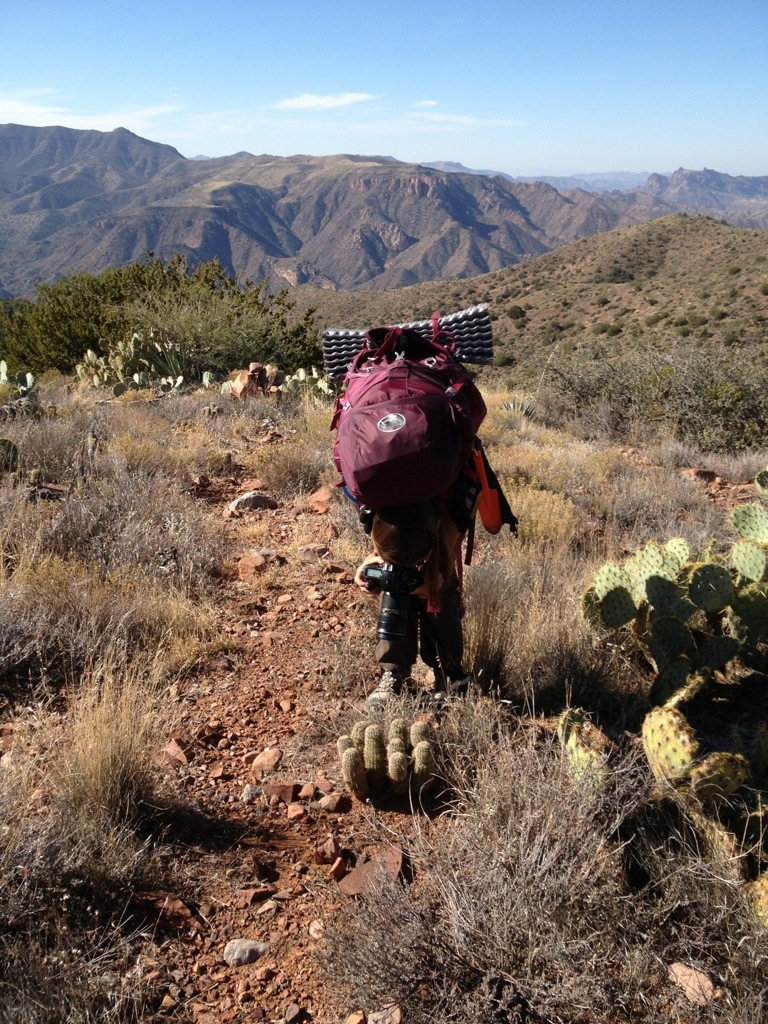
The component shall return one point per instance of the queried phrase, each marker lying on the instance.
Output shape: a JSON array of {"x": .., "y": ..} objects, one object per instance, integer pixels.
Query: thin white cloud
[
  {"x": 31, "y": 109},
  {"x": 426, "y": 103},
  {"x": 313, "y": 101}
]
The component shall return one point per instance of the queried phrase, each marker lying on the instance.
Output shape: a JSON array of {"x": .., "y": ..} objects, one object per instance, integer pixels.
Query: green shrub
[{"x": 204, "y": 316}]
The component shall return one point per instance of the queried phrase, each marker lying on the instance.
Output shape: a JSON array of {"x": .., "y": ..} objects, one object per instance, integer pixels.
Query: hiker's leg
[{"x": 442, "y": 638}]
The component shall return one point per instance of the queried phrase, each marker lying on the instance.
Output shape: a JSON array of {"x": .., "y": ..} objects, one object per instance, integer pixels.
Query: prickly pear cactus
[
  {"x": 669, "y": 743},
  {"x": 585, "y": 747},
  {"x": 718, "y": 776},
  {"x": 757, "y": 894},
  {"x": 751, "y": 521}
]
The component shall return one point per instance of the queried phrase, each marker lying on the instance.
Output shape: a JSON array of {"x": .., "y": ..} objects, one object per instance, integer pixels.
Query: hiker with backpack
[{"x": 409, "y": 457}]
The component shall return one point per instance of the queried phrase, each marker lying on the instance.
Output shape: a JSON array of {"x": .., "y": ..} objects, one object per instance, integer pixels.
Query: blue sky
[{"x": 534, "y": 87}]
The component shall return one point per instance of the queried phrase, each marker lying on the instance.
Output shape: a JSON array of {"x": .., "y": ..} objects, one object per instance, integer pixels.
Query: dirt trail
[{"x": 270, "y": 829}]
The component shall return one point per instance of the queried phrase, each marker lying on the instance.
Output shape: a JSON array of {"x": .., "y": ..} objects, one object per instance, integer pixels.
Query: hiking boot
[
  {"x": 450, "y": 689},
  {"x": 390, "y": 685}
]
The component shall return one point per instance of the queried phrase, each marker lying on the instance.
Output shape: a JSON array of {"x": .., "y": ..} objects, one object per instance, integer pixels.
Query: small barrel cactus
[{"x": 354, "y": 774}]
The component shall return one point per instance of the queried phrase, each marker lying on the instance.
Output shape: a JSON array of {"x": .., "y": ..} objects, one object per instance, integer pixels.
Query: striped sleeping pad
[{"x": 470, "y": 329}]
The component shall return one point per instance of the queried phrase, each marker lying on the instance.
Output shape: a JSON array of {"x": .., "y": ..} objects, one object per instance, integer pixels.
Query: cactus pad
[
  {"x": 751, "y": 521},
  {"x": 757, "y": 894},
  {"x": 610, "y": 577},
  {"x": 711, "y": 587},
  {"x": 669, "y": 639},
  {"x": 748, "y": 614},
  {"x": 667, "y": 598},
  {"x": 716, "y": 653},
  {"x": 750, "y": 559},
  {"x": 676, "y": 553},
  {"x": 617, "y": 608},
  {"x": 761, "y": 482},
  {"x": 670, "y": 680},
  {"x": 584, "y": 746},
  {"x": 353, "y": 773},
  {"x": 669, "y": 743},
  {"x": 719, "y": 775}
]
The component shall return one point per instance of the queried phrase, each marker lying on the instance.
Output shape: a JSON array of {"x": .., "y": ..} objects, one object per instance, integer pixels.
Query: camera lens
[{"x": 393, "y": 617}]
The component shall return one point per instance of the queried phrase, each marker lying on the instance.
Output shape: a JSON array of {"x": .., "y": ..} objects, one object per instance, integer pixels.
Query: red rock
[
  {"x": 313, "y": 552},
  {"x": 390, "y": 1015},
  {"x": 282, "y": 791},
  {"x": 286, "y": 705},
  {"x": 175, "y": 752},
  {"x": 320, "y": 500},
  {"x": 697, "y": 987},
  {"x": 327, "y": 851},
  {"x": 252, "y": 500},
  {"x": 266, "y": 761},
  {"x": 307, "y": 792},
  {"x": 362, "y": 879},
  {"x": 247, "y": 897},
  {"x": 335, "y": 803},
  {"x": 356, "y": 1018},
  {"x": 324, "y": 785},
  {"x": 250, "y": 566},
  {"x": 296, "y": 812},
  {"x": 293, "y": 1013}
]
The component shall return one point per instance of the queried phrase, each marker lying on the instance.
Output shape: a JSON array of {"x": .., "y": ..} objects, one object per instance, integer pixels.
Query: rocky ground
[{"x": 271, "y": 843}]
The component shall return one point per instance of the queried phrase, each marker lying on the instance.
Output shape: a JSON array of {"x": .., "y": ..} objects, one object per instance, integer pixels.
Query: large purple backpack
[{"x": 406, "y": 420}]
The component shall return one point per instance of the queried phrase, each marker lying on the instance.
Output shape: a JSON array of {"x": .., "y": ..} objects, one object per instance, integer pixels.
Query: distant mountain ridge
[
  {"x": 608, "y": 181},
  {"x": 87, "y": 200}
]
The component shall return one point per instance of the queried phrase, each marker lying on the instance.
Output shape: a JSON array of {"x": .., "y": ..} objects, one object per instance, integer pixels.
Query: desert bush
[
  {"x": 206, "y": 318},
  {"x": 526, "y": 638},
  {"x": 720, "y": 404}
]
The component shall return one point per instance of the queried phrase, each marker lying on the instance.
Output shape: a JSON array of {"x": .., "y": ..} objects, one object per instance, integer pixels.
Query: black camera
[{"x": 396, "y": 583}]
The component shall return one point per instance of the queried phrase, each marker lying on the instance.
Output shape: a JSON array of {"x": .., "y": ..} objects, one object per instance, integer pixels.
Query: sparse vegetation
[{"x": 535, "y": 889}]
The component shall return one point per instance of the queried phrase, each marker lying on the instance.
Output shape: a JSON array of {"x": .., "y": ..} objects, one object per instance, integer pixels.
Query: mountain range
[{"x": 86, "y": 200}]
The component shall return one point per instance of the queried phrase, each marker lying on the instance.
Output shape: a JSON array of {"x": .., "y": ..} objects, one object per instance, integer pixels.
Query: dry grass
[{"x": 532, "y": 899}]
